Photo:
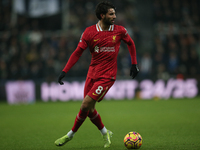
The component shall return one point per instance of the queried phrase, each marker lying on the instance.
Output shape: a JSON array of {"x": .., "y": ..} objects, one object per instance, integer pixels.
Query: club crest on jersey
[{"x": 114, "y": 38}]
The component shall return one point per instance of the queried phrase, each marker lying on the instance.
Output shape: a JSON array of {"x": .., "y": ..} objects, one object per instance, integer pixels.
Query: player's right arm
[
  {"x": 74, "y": 57},
  {"x": 72, "y": 60}
]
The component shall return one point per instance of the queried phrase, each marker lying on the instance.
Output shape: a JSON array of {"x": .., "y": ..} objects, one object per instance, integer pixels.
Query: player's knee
[
  {"x": 88, "y": 104},
  {"x": 85, "y": 107},
  {"x": 91, "y": 110}
]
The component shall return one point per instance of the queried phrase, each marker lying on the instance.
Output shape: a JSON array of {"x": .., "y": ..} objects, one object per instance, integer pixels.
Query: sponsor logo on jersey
[
  {"x": 96, "y": 49},
  {"x": 107, "y": 49},
  {"x": 104, "y": 49}
]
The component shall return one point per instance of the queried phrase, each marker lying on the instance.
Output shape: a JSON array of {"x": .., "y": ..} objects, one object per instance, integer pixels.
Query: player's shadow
[{"x": 95, "y": 148}]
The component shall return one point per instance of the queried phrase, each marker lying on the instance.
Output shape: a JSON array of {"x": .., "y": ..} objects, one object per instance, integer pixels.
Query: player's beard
[{"x": 107, "y": 21}]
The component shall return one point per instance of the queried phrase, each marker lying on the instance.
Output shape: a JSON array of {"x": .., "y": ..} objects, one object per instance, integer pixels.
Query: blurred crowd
[
  {"x": 29, "y": 51},
  {"x": 176, "y": 49}
]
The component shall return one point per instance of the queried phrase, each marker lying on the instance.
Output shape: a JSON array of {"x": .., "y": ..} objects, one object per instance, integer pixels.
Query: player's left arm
[{"x": 132, "y": 50}]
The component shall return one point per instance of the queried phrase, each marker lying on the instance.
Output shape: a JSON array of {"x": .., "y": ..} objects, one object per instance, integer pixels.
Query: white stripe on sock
[
  {"x": 70, "y": 134},
  {"x": 103, "y": 131}
]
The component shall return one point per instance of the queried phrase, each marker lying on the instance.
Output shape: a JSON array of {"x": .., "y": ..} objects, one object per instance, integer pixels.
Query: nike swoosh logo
[
  {"x": 94, "y": 94},
  {"x": 96, "y": 40}
]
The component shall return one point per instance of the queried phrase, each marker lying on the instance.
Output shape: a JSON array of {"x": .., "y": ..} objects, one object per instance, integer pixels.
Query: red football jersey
[{"x": 104, "y": 47}]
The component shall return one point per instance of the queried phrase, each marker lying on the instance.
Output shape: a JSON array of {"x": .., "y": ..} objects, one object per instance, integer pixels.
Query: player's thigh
[
  {"x": 100, "y": 88},
  {"x": 88, "y": 103},
  {"x": 88, "y": 85}
]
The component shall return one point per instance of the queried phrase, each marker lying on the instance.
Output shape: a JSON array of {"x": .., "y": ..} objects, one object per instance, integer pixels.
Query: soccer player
[{"x": 103, "y": 40}]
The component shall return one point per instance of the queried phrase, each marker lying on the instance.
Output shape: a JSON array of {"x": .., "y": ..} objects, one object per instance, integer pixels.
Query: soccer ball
[{"x": 133, "y": 140}]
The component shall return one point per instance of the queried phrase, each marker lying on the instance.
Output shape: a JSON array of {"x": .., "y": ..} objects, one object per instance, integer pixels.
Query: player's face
[{"x": 110, "y": 17}]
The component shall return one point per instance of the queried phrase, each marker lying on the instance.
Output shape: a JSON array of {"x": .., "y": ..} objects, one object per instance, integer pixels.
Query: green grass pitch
[{"x": 172, "y": 124}]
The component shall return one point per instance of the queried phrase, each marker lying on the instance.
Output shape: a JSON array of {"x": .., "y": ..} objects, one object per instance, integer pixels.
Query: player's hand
[
  {"x": 61, "y": 76},
  {"x": 134, "y": 71}
]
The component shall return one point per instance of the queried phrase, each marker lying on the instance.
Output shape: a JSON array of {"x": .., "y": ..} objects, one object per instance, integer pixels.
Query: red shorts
[{"x": 97, "y": 88}]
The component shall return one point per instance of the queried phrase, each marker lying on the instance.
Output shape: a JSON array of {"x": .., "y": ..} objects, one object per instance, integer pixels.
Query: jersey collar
[{"x": 98, "y": 27}]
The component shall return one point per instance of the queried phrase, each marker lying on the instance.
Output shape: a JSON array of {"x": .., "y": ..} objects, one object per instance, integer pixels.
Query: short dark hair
[{"x": 102, "y": 8}]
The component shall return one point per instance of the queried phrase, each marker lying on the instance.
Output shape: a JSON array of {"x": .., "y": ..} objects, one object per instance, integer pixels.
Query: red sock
[
  {"x": 96, "y": 119},
  {"x": 80, "y": 118}
]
